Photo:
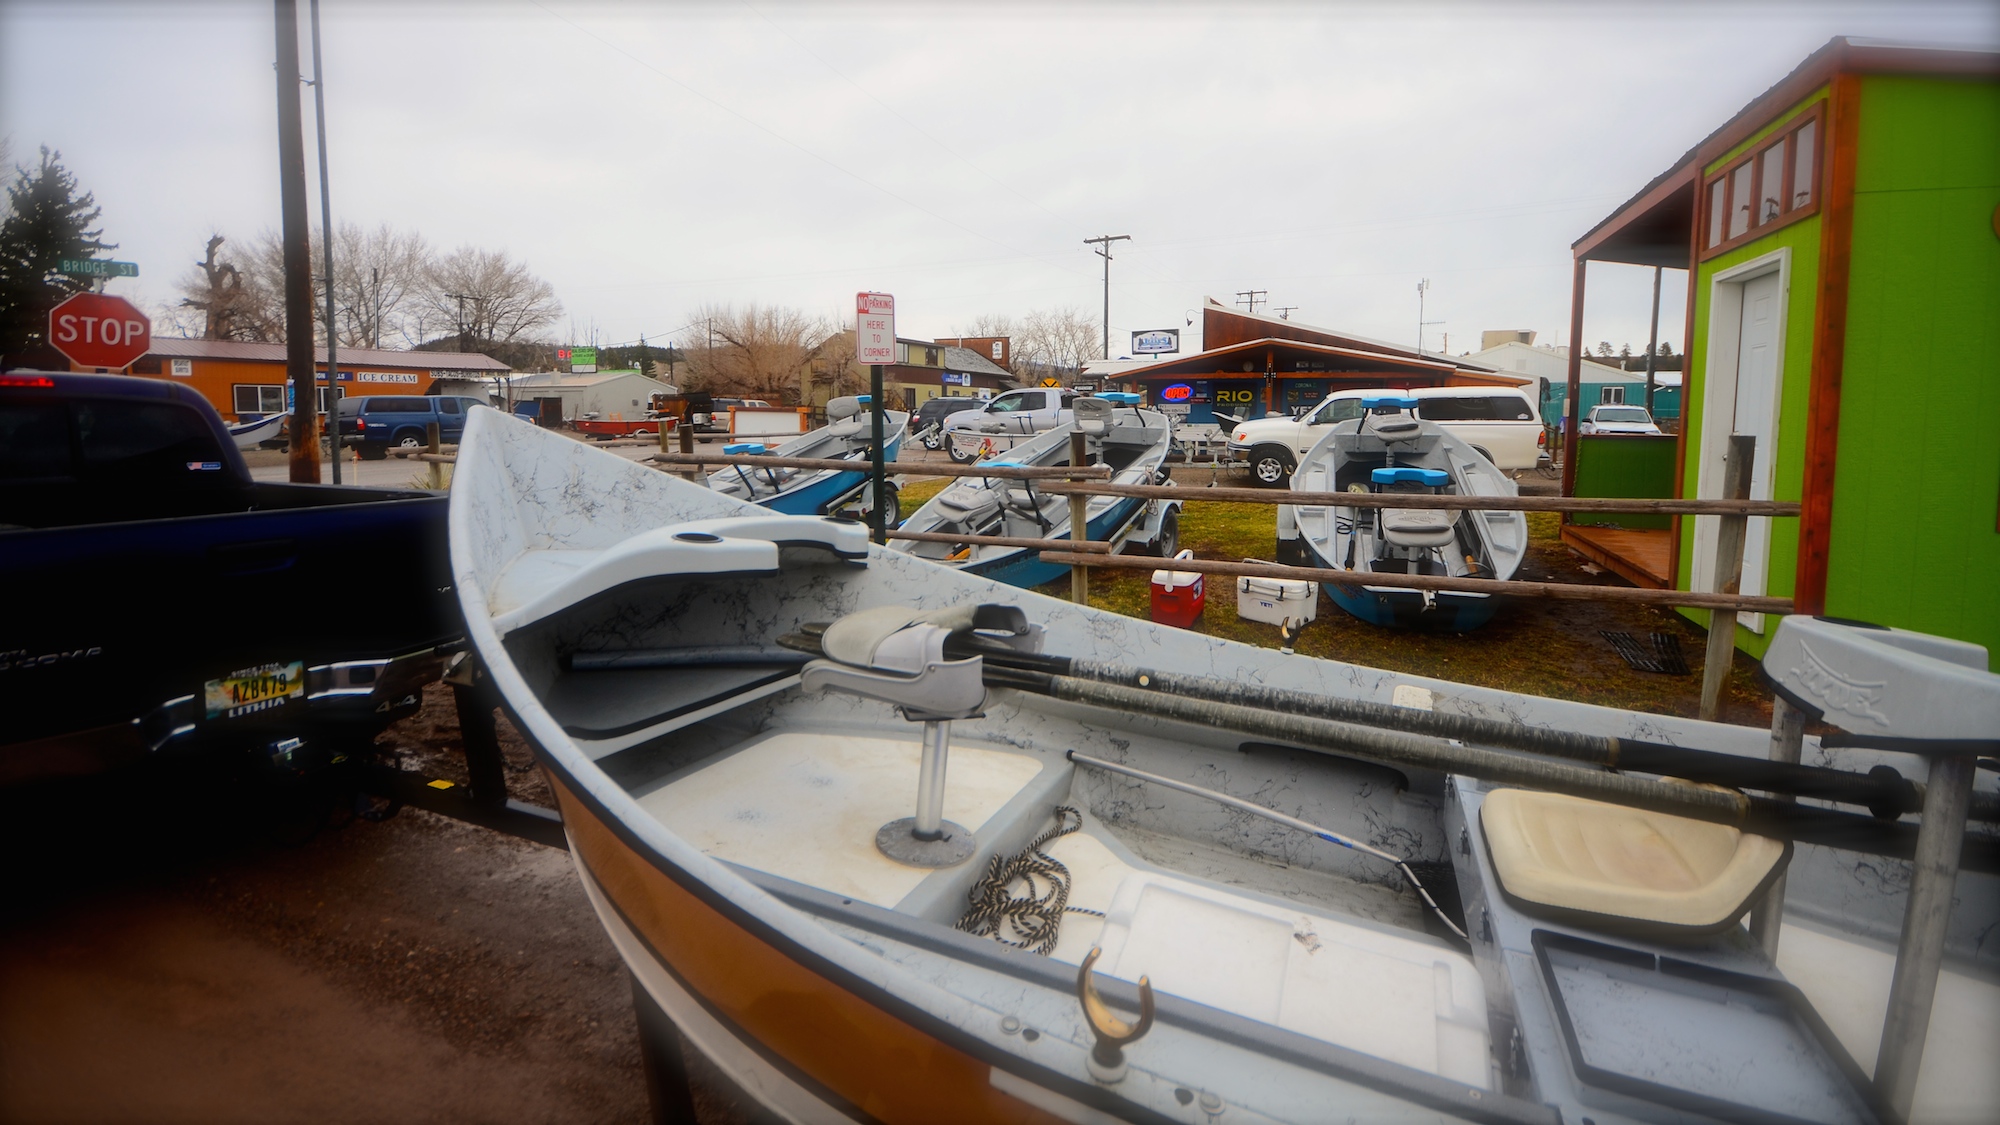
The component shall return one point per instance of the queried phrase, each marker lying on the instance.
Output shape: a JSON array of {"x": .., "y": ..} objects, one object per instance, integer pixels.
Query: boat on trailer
[
  {"x": 1132, "y": 441},
  {"x": 1388, "y": 449},
  {"x": 1168, "y": 877},
  {"x": 849, "y": 435},
  {"x": 250, "y": 435}
]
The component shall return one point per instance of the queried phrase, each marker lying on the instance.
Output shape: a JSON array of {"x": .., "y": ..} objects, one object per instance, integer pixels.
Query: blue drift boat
[
  {"x": 848, "y": 436},
  {"x": 1388, "y": 449}
]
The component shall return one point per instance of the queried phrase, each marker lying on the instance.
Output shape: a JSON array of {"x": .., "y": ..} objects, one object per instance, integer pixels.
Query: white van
[{"x": 1499, "y": 422}]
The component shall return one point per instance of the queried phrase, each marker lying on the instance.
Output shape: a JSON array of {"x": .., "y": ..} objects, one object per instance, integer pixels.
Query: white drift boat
[{"x": 1217, "y": 894}]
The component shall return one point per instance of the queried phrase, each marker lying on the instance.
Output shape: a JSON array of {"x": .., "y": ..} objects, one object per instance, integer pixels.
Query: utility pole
[
  {"x": 1423, "y": 287},
  {"x": 1103, "y": 243},
  {"x": 1653, "y": 341},
  {"x": 326, "y": 257},
  {"x": 1251, "y": 297},
  {"x": 297, "y": 244},
  {"x": 461, "y": 298},
  {"x": 1285, "y": 311}
]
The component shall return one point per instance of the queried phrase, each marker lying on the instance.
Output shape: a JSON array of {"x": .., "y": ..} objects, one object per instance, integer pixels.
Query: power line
[
  {"x": 1103, "y": 243},
  {"x": 1251, "y": 296}
]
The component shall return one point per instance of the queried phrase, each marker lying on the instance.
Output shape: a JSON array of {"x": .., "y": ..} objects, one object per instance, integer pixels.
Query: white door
[{"x": 1757, "y": 416}]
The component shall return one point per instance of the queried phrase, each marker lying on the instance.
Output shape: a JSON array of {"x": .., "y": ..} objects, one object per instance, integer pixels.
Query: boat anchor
[{"x": 1107, "y": 1058}]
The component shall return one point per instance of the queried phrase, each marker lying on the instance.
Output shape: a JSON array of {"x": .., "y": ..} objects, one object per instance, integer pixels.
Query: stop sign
[{"x": 95, "y": 330}]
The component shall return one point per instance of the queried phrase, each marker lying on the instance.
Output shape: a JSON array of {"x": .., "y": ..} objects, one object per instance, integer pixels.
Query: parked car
[
  {"x": 1499, "y": 422},
  {"x": 1006, "y": 420},
  {"x": 927, "y": 421},
  {"x": 715, "y": 420},
  {"x": 1614, "y": 418},
  {"x": 375, "y": 423},
  {"x": 156, "y": 588}
]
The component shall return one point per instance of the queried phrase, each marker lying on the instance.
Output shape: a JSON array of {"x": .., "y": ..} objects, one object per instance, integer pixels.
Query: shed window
[
  {"x": 259, "y": 398},
  {"x": 1767, "y": 187},
  {"x": 1614, "y": 395}
]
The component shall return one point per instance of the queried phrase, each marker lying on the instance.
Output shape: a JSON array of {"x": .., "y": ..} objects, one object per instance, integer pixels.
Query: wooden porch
[{"x": 1643, "y": 557}]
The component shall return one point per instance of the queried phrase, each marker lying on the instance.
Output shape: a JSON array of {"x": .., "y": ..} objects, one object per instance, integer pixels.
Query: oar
[
  {"x": 1759, "y": 815},
  {"x": 1884, "y": 792}
]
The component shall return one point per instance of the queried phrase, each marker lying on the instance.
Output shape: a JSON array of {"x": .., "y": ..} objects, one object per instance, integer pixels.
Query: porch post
[
  {"x": 1575, "y": 378},
  {"x": 1653, "y": 339}
]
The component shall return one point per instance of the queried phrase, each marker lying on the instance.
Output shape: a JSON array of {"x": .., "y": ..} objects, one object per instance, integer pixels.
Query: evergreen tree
[
  {"x": 47, "y": 220},
  {"x": 645, "y": 359}
]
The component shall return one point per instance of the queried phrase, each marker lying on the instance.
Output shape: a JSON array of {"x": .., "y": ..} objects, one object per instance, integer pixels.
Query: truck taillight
[{"x": 1542, "y": 438}]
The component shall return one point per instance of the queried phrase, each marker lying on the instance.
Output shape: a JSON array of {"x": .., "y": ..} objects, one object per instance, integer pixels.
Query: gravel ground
[{"x": 167, "y": 961}]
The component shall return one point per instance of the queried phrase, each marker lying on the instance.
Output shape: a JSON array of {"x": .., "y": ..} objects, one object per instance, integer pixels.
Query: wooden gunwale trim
[
  {"x": 857, "y": 1022},
  {"x": 1829, "y": 346},
  {"x": 1485, "y": 587}
]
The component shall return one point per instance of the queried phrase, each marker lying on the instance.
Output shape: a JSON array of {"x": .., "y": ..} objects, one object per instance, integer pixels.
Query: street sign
[
  {"x": 90, "y": 267},
  {"x": 1160, "y": 341},
  {"x": 1051, "y": 381},
  {"x": 874, "y": 328},
  {"x": 95, "y": 330}
]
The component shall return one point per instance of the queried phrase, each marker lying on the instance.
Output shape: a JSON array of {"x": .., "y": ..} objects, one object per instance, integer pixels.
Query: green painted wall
[
  {"x": 1624, "y": 465},
  {"x": 1788, "y": 478},
  {"x": 1917, "y": 485}
]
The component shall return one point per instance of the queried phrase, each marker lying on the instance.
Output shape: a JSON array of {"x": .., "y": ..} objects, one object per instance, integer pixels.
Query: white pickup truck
[
  {"x": 1005, "y": 421},
  {"x": 1499, "y": 422}
]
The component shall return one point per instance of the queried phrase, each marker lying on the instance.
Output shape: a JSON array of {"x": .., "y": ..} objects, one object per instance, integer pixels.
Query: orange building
[{"x": 245, "y": 381}]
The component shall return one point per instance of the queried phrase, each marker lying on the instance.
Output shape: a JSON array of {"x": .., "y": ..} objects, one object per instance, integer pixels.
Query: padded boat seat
[
  {"x": 1417, "y": 527},
  {"x": 1615, "y": 867},
  {"x": 969, "y": 506}
]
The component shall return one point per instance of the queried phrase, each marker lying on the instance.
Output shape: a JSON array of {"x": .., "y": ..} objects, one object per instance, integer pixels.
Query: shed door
[{"x": 1756, "y": 415}]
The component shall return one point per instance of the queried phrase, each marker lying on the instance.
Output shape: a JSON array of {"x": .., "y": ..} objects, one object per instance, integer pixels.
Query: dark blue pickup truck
[{"x": 160, "y": 601}]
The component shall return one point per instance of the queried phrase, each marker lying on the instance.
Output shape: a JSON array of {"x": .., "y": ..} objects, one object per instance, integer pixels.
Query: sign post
[
  {"x": 94, "y": 330},
  {"x": 875, "y": 345}
]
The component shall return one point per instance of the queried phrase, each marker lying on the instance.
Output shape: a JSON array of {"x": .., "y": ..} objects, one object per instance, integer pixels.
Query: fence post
[
  {"x": 1079, "y": 521},
  {"x": 437, "y": 468},
  {"x": 1788, "y": 732},
  {"x": 1728, "y": 573}
]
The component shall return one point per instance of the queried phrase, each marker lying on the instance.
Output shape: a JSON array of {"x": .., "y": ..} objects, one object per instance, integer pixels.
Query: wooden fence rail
[
  {"x": 1558, "y": 590},
  {"x": 1445, "y": 502}
]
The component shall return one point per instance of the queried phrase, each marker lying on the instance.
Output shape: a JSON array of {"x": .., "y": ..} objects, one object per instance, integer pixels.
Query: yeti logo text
[{"x": 1839, "y": 693}]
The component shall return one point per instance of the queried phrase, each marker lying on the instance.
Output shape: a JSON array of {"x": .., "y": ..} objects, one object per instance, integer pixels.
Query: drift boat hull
[{"x": 721, "y": 817}]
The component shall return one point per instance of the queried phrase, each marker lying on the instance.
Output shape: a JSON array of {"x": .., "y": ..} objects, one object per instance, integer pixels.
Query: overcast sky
[{"x": 649, "y": 159}]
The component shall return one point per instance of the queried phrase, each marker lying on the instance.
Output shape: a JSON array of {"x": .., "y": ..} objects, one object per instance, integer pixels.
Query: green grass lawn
[{"x": 1535, "y": 645}]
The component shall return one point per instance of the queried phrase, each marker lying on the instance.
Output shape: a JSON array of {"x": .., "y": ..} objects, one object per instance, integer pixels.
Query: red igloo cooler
[{"x": 1179, "y": 596}]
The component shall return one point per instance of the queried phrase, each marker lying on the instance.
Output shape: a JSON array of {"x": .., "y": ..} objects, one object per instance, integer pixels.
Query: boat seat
[
  {"x": 1414, "y": 527},
  {"x": 896, "y": 654},
  {"x": 970, "y": 507},
  {"x": 1614, "y": 867}
]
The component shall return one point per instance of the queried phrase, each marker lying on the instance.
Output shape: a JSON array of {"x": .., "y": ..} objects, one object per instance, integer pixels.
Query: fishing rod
[
  {"x": 1884, "y": 792},
  {"x": 1760, "y": 816}
]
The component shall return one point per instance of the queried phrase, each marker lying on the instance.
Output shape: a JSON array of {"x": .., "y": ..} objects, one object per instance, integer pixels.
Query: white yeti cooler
[{"x": 1275, "y": 601}]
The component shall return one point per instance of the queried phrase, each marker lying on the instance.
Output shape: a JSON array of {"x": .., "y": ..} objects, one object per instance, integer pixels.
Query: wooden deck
[{"x": 1642, "y": 558}]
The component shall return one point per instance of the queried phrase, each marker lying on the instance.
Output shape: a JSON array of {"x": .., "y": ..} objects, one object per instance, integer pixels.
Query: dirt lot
[{"x": 167, "y": 960}]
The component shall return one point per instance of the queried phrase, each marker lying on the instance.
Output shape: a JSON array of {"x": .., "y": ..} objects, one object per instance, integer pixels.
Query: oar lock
[{"x": 1107, "y": 1058}]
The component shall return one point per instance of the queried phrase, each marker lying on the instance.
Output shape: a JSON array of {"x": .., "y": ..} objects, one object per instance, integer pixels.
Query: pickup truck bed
[{"x": 147, "y": 574}]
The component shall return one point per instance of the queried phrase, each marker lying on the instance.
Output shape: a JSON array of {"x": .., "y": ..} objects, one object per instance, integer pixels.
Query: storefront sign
[
  {"x": 1160, "y": 341},
  {"x": 956, "y": 378},
  {"x": 183, "y": 368},
  {"x": 381, "y": 376},
  {"x": 1179, "y": 392}
]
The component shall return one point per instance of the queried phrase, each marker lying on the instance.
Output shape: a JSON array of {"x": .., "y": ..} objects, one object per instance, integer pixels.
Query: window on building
[
  {"x": 259, "y": 398},
  {"x": 1766, "y": 187},
  {"x": 1610, "y": 395}
]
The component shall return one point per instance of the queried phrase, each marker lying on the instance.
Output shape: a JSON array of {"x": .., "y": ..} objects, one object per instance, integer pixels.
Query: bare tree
[
  {"x": 224, "y": 301},
  {"x": 492, "y": 296},
  {"x": 1056, "y": 342},
  {"x": 377, "y": 276},
  {"x": 988, "y": 324},
  {"x": 766, "y": 351}
]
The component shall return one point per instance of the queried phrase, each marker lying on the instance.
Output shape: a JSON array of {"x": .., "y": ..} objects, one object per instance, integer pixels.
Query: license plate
[{"x": 251, "y": 691}]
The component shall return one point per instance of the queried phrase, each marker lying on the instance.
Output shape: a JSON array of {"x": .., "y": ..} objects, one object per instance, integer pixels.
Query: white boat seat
[
  {"x": 969, "y": 506},
  {"x": 896, "y": 654},
  {"x": 1023, "y": 499},
  {"x": 1623, "y": 868},
  {"x": 1417, "y": 527}
]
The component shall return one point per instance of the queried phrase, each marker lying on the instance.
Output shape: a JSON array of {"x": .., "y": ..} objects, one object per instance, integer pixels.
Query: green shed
[{"x": 1842, "y": 240}]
